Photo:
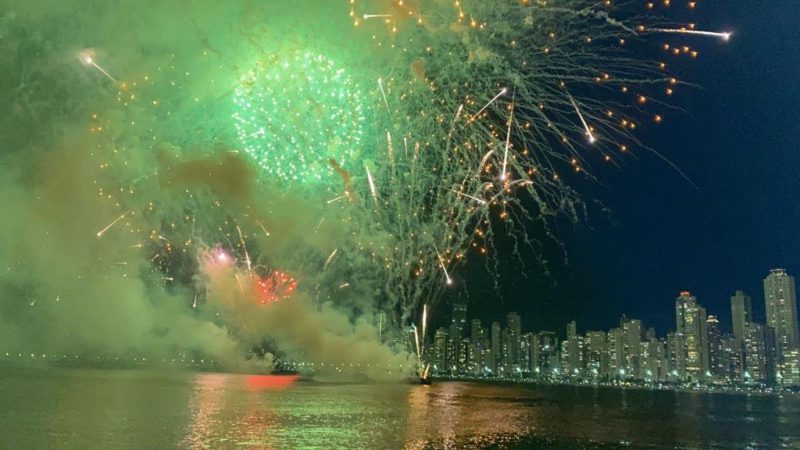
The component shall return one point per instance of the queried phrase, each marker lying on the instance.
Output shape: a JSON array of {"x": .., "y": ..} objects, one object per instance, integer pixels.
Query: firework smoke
[{"x": 269, "y": 136}]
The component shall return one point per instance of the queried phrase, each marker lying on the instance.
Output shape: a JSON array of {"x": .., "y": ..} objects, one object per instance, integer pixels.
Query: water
[{"x": 93, "y": 409}]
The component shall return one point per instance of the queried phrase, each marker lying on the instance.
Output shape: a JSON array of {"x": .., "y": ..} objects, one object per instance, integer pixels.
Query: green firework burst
[{"x": 297, "y": 113}]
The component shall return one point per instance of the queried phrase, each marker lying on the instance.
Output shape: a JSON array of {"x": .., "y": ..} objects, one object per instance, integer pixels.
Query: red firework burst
[{"x": 275, "y": 286}]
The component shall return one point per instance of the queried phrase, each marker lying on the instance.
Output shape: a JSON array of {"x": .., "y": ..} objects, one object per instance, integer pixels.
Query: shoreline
[{"x": 662, "y": 388}]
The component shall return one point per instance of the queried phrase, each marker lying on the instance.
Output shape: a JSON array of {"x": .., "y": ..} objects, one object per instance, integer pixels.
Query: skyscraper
[
  {"x": 676, "y": 356},
  {"x": 632, "y": 332},
  {"x": 458, "y": 326},
  {"x": 755, "y": 353},
  {"x": 476, "y": 347},
  {"x": 514, "y": 333},
  {"x": 733, "y": 359},
  {"x": 525, "y": 353},
  {"x": 781, "y": 305},
  {"x": 459, "y": 317},
  {"x": 715, "y": 350},
  {"x": 440, "y": 350},
  {"x": 574, "y": 354},
  {"x": 596, "y": 354},
  {"x": 497, "y": 358},
  {"x": 690, "y": 320},
  {"x": 544, "y": 352},
  {"x": 616, "y": 353},
  {"x": 741, "y": 313}
]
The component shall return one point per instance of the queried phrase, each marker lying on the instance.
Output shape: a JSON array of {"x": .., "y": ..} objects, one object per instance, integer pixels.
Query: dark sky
[{"x": 737, "y": 141}]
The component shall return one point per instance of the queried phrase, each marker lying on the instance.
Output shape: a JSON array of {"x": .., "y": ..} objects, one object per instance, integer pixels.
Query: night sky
[{"x": 736, "y": 140}]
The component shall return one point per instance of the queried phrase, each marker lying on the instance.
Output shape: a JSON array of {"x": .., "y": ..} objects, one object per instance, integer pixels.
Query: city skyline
[
  {"x": 696, "y": 351},
  {"x": 654, "y": 232},
  {"x": 659, "y": 308}
]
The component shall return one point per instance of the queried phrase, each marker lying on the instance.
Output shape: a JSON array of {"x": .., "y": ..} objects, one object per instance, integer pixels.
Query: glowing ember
[{"x": 275, "y": 286}]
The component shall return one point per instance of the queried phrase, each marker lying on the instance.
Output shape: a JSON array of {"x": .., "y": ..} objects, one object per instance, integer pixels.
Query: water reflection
[
  {"x": 110, "y": 410},
  {"x": 205, "y": 405},
  {"x": 454, "y": 415}
]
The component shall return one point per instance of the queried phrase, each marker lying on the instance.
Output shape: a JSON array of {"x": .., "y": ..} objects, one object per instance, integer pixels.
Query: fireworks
[
  {"x": 497, "y": 105},
  {"x": 297, "y": 112},
  {"x": 499, "y": 100},
  {"x": 107, "y": 227},
  {"x": 276, "y": 285},
  {"x": 87, "y": 58}
]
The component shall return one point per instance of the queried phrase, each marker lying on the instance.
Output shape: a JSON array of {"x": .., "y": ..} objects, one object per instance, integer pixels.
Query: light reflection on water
[{"x": 122, "y": 409}]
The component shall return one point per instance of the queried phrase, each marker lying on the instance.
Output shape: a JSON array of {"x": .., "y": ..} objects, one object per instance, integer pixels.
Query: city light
[{"x": 696, "y": 355}]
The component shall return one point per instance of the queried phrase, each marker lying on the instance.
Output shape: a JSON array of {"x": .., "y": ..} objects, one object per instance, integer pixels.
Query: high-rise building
[
  {"x": 790, "y": 375},
  {"x": 632, "y": 347},
  {"x": 616, "y": 354},
  {"x": 715, "y": 351},
  {"x": 596, "y": 355},
  {"x": 564, "y": 357},
  {"x": 572, "y": 329},
  {"x": 476, "y": 348},
  {"x": 463, "y": 357},
  {"x": 459, "y": 317},
  {"x": 755, "y": 353},
  {"x": 525, "y": 353},
  {"x": 497, "y": 358},
  {"x": 505, "y": 350},
  {"x": 676, "y": 356},
  {"x": 544, "y": 354},
  {"x": 733, "y": 359},
  {"x": 458, "y": 326},
  {"x": 476, "y": 330},
  {"x": 573, "y": 359},
  {"x": 533, "y": 342},
  {"x": 690, "y": 320},
  {"x": 514, "y": 335},
  {"x": 650, "y": 334},
  {"x": 440, "y": 350},
  {"x": 653, "y": 362},
  {"x": 741, "y": 313},
  {"x": 781, "y": 305}
]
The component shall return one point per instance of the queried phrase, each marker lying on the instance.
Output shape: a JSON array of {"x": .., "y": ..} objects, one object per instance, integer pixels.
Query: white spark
[
  {"x": 501, "y": 93},
  {"x": 261, "y": 225},
  {"x": 479, "y": 200},
  {"x": 101, "y": 232},
  {"x": 87, "y": 58},
  {"x": 416, "y": 339},
  {"x": 316, "y": 230},
  {"x": 374, "y": 16},
  {"x": 260, "y": 132},
  {"x": 424, "y": 322},
  {"x": 503, "y": 174},
  {"x": 383, "y": 93},
  {"x": 453, "y": 124},
  {"x": 483, "y": 161},
  {"x": 244, "y": 246},
  {"x": 371, "y": 183},
  {"x": 725, "y": 36},
  {"x": 389, "y": 146},
  {"x": 330, "y": 258},
  {"x": 337, "y": 199},
  {"x": 589, "y": 134},
  {"x": 441, "y": 261}
]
